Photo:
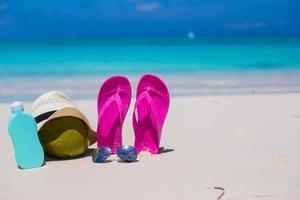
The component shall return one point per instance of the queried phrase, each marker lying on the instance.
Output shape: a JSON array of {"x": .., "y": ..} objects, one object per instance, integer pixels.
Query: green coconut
[{"x": 64, "y": 137}]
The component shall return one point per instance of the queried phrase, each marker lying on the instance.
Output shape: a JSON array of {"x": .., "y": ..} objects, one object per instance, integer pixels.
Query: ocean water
[{"x": 208, "y": 66}]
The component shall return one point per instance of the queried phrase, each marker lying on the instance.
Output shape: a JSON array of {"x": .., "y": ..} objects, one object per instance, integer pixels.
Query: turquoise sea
[{"x": 199, "y": 66}]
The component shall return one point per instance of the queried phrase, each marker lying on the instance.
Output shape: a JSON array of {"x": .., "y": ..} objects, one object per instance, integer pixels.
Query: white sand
[{"x": 247, "y": 144}]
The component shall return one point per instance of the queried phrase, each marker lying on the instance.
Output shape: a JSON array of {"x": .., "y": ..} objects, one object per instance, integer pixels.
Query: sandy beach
[{"x": 246, "y": 144}]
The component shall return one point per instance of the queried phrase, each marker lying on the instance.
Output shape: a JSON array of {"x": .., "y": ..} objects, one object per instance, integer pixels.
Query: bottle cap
[{"x": 17, "y": 106}]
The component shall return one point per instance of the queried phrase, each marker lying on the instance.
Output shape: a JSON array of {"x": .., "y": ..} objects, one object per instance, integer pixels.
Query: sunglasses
[{"x": 126, "y": 153}]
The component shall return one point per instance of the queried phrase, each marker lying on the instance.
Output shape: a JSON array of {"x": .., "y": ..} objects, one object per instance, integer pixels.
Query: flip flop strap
[
  {"x": 145, "y": 95},
  {"x": 114, "y": 98}
]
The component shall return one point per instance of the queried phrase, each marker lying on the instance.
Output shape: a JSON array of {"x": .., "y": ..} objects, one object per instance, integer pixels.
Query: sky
[{"x": 71, "y": 19}]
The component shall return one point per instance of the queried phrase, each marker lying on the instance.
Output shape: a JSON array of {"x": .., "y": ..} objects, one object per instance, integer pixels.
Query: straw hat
[{"x": 56, "y": 104}]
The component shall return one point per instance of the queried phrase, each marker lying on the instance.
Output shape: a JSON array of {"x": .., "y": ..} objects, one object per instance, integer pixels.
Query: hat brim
[{"x": 71, "y": 112}]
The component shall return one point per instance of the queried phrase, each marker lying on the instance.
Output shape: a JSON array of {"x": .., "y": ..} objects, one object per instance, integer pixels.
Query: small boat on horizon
[{"x": 191, "y": 35}]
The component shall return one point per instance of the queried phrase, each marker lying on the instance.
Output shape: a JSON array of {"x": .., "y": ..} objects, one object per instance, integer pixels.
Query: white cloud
[
  {"x": 246, "y": 25},
  {"x": 149, "y": 7}
]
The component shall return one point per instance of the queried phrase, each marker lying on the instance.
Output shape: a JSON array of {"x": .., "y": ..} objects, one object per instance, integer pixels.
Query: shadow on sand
[
  {"x": 89, "y": 153},
  {"x": 165, "y": 150}
]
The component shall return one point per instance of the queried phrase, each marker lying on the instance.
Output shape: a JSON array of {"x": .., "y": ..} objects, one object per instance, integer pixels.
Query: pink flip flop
[
  {"x": 150, "y": 111},
  {"x": 113, "y": 103}
]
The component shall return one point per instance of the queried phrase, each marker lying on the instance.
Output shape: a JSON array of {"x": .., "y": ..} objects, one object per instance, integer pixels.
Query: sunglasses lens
[
  {"x": 127, "y": 153},
  {"x": 101, "y": 154}
]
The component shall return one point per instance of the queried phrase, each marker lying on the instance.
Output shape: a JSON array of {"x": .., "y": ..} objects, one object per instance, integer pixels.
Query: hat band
[{"x": 44, "y": 116}]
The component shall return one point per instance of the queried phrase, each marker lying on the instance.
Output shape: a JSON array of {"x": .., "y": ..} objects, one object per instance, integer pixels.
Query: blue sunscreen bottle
[{"x": 23, "y": 132}]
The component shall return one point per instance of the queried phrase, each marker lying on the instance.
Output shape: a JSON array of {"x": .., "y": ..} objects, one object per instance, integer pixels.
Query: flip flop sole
[
  {"x": 150, "y": 112},
  {"x": 113, "y": 103}
]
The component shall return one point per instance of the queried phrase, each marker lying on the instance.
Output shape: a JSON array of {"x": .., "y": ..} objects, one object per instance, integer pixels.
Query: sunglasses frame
[{"x": 125, "y": 153}]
